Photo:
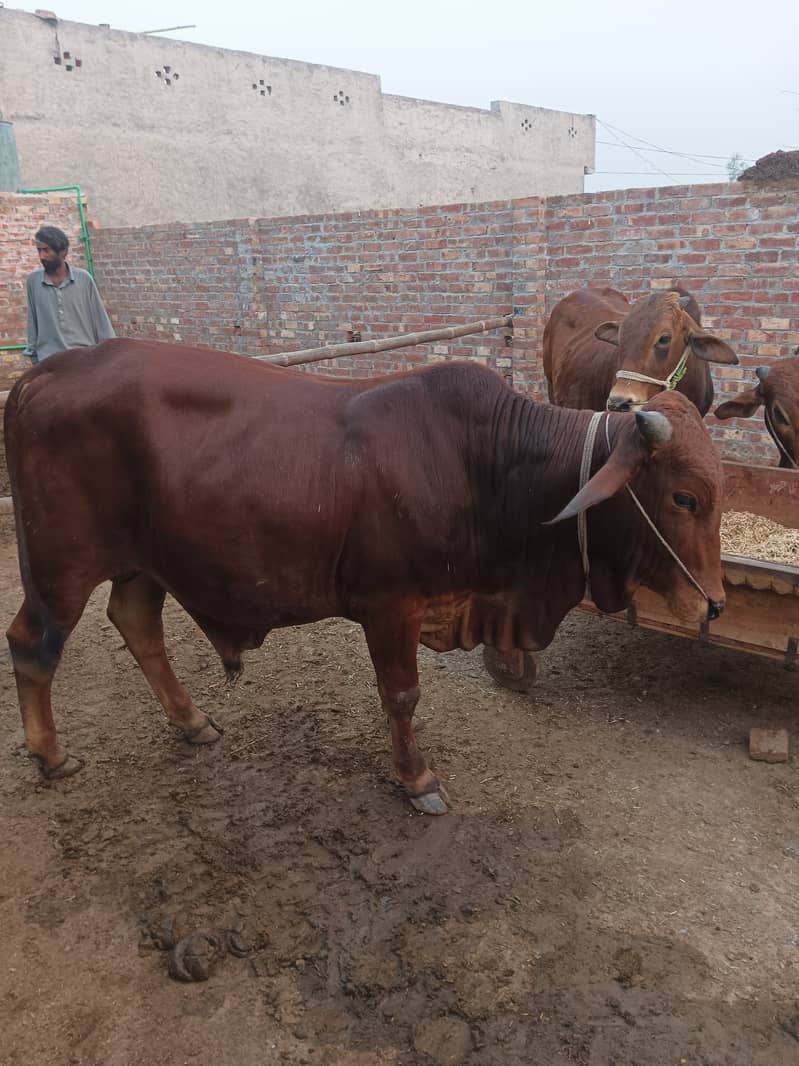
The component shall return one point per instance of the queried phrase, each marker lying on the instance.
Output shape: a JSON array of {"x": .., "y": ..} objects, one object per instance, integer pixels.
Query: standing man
[{"x": 64, "y": 306}]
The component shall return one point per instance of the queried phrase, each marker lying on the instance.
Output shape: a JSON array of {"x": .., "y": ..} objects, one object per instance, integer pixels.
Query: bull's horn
[
  {"x": 762, "y": 372},
  {"x": 654, "y": 427}
]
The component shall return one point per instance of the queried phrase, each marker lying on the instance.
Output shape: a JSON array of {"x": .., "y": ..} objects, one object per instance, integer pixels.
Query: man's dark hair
[{"x": 53, "y": 237}]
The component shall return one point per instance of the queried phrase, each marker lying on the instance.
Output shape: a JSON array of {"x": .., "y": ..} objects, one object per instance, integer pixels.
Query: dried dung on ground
[{"x": 748, "y": 534}]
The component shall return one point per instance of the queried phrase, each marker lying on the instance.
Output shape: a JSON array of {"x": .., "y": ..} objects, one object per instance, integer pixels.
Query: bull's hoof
[
  {"x": 204, "y": 734},
  {"x": 66, "y": 768},
  {"x": 431, "y": 802},
  {"x": 191, "y": 958}
]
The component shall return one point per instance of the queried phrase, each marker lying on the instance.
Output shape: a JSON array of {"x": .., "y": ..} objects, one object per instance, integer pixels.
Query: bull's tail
[{"x": 53, "y": 638}]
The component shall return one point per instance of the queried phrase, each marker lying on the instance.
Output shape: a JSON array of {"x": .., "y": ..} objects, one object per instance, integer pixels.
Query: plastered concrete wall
[{"x": 156, "y": 130}]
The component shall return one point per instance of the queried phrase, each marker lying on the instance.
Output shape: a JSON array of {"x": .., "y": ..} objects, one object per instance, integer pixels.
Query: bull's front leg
[{"x": 393, "y": 644}]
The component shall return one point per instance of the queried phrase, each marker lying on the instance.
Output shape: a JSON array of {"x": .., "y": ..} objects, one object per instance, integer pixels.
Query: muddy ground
[{"x": 617, "y": 883}]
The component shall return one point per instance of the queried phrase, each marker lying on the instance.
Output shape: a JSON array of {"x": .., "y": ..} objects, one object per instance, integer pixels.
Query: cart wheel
[{"x": 516, "y": 670}]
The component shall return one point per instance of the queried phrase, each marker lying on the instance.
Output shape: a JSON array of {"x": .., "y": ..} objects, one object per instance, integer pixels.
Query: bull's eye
[
  {"x": 686, "y": 501},
  {"x": 779, "y": 415},
  {"x": 664, "y": 340}
]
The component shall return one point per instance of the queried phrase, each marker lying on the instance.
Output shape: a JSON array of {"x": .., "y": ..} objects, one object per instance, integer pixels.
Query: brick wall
[
  {"x": 20, "y": 217},
  {"x": 274, "y": 285}
]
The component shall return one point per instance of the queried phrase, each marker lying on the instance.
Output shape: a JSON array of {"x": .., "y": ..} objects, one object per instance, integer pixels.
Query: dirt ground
[{"x": 617, "y": 883}]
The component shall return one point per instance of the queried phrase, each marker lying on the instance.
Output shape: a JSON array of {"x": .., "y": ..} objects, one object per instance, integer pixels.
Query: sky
[{"x": 706, "y": 80}]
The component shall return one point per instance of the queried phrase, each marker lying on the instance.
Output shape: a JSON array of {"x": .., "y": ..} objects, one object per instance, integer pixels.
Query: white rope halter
[
  {"x": 671, "y": 382},
  {"x": 582, "y": 519}
]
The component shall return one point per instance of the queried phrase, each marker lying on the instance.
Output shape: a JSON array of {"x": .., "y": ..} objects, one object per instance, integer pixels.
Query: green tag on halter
[{"x": 679, "y": 372}]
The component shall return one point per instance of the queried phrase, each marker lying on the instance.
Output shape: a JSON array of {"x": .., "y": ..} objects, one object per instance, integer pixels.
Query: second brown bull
[{"x": 600, "y": 351}]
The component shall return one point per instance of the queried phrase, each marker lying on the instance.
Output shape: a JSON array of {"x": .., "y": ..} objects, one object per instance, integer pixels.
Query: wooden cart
[{"x": 762, "y": 612}]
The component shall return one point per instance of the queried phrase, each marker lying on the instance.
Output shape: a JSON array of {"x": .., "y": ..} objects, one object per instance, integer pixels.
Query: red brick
[{"x": 769, "y": 745}]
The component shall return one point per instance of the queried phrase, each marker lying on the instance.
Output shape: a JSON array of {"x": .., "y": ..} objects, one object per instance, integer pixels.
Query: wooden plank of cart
[{"x": 762, "y": 612}]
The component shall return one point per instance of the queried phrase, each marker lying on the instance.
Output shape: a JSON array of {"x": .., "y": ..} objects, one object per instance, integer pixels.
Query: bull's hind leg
[
  {"x": 36, "y": 638},
  {"x": 393, "y": 645},
  {"x": 135, "y": 607}
]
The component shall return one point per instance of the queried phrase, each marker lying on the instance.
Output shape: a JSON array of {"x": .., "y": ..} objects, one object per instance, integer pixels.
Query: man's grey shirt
[{"x": 70, "y": 315}]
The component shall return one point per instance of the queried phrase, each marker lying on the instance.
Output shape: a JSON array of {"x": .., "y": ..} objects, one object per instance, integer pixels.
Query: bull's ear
[
  {"x": 712, "y": 349},
  {"x": 743, "y": 405},
  {"x": 608, "y": 331},
  {"x": 626, "y": 459},
  {"x": 622, "y": 466}
]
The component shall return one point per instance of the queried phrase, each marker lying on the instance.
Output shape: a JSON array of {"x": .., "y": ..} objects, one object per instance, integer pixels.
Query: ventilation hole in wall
[
  {"x": 166, "y": 76},
  {"x": 262, "y": 88},
  {"x": 572, "y": 132},
  {"x": 67, "y": 61},
  {"x": 341, "y": 98},
  {"x": 526, "y": 125},
  {"x": 261, "y": 81},
  {"x": 263, "y": 93}
]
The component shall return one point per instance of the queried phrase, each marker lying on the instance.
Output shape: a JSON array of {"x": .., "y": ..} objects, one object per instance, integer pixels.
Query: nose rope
[
  {"x": 582, "y": 518},
  {"x": 671, "y": 382},
  {"x": 775, "y": 438}
]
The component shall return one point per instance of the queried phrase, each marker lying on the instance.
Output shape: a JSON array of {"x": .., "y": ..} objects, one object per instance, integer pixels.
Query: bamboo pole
[
  {"x": 335, "y": 351},
  {"x": 404, "y": 340}
]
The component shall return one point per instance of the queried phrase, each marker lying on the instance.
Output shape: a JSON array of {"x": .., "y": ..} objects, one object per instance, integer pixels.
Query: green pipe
[
  {"x": 84, "y": 232},
  {"x": 84, "y": 229}
]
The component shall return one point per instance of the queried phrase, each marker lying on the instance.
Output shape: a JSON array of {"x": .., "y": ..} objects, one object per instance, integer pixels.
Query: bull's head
[
  {"x": 777, "y": 390},
  {"x": 655, "y": 339},
  {"x": 666, "y": 455}
]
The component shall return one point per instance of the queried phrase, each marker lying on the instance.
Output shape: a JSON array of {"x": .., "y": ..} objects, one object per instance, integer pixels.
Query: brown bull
[
  {"x": 261, "y": 497},
  {"x": 777, "y": 391},
  {"x": 599, "y": 351}
]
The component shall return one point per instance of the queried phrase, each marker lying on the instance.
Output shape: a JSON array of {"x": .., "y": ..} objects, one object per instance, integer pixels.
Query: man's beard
[{"x": 51, "y": 265}]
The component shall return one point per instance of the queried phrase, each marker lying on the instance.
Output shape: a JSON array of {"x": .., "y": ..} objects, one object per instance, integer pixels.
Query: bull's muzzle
[
  {"x": 714, "y": 609},
  {"x": 620, "y": 403}
]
